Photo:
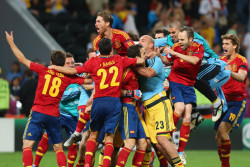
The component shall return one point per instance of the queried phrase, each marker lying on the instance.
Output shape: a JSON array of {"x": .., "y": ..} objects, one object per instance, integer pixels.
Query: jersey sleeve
[
  {"x": 95, "y": 42},
  {"x": 244, "y": 64},
  {"x": 157, "y": 65},
  {"x": 84, "y": 68},
  {"x": 126, "y": 40},
  {"x": 38, "y": 68},
  {"x": 199, "y": 52},
  {"x": 128, "y": 62},
  {"x": 76, "y": 80}
]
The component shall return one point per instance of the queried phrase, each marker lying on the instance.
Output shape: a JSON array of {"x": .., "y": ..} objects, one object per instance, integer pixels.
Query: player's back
[
  {"x": 50, "y": 88},
  {"x": 107, "y": 74}
]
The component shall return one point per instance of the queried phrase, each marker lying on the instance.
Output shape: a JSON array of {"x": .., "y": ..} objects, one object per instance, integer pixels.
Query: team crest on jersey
[
  {"x": 234, "y": 67},
  {"x": 117, "y": 43},
  {"x": 190, "y": 53}
]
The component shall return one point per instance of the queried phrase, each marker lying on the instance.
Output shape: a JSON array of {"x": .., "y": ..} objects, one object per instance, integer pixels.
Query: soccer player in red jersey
[
  {"x": 120, "y": 39},
  {"x": 106, "y": 71},
  {"x": 186, "y": 56},
  {"x": 131, "y": 123},
  {"x": 235, "y": 93},
  {"x": 45, "y": 113}
]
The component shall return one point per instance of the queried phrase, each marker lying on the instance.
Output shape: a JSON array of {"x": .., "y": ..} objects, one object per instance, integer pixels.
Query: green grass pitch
[{"x": 194, "y": 159}]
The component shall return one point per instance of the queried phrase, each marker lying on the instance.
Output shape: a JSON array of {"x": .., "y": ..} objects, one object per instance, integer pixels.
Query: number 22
[{"x": 103, "y": 72}]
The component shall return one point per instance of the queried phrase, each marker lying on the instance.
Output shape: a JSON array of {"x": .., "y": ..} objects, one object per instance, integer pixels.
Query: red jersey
[
  {"x": 107, "y": 73},
  {"x": 129, "y": 82},
  {"x": 50, "y": 88},
  {"x": 120, "y": 39},
  {"x": 235, "y": 90},
  {"x": 183, "y": 72}
]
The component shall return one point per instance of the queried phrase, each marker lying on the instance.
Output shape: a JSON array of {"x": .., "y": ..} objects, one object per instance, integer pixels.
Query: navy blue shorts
[
  {"x": 105, "y": 113},
  {"x": 182, "y": 93},
  {"x": 68, "y": 123},
  {"x": 37, "y": 122},
  {"x": 234, "y": 115},
  {"x": 130, "y": 125}
]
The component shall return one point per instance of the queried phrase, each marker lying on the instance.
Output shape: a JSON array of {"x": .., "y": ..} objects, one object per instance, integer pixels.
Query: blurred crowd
[{"x": 209, "y": 18}]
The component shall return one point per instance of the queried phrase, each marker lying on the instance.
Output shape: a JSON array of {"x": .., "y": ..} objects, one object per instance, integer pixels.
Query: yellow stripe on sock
[
  {"x": 89, "y": 153},
  {"x": 183, "y": 139},
  {"x": 40, "y": 154},
  {"x": 82, "y": 120},
  {"x": 71, "y": 162},
  {"x": 225, "y": 155},
  {"x": 107, "y": 157}
]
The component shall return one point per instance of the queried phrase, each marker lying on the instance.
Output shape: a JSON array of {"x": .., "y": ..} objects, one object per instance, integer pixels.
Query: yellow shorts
[{"x": 159, "y": 118}]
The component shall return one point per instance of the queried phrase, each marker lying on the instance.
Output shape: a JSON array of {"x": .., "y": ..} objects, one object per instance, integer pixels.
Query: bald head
[{"x": 147, "y": 42}]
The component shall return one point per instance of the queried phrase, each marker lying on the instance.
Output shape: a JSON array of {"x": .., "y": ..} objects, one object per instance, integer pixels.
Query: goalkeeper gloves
[{"x": 134, "y": 94}]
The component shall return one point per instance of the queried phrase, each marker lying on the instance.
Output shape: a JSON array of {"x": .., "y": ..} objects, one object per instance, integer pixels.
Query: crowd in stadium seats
[{"x": 72, "y": 23}]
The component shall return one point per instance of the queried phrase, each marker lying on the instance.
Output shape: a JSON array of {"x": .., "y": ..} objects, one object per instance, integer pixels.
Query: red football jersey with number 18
[
  {"x": 107, "y": 74},
  {"x": 50, "y": 88},
  {"x": 120, "y": 40},
  {"x": 235, "y": 90}
]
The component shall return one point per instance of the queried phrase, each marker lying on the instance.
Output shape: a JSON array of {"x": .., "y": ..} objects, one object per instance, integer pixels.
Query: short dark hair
[
  {"x": 69, "y": 55},
  {"x": 162, "y": 30},
  {"x": 58, "y": 57},
  {"x": 133, "y": 36},
  {"x": 176, "y": 24},
  {"x": 189, "y": 31},
  {"x": 134, "y": 50},
  {"x": 89, "y": 51},
  {"x": 107, "y": 17},
  {"x": 105, "y": 46}
]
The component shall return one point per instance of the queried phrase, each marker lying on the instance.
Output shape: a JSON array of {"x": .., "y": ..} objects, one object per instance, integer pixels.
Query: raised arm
[
  {"x": 19, "y": 55},
  {"x": 64, "y": 70}
]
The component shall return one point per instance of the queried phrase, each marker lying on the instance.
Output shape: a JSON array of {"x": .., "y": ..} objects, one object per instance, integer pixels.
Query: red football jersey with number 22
[{"x": 107, "y": 74}]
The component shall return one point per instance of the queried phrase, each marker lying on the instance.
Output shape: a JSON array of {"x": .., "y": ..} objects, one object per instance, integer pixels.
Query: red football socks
[
  {"x": 83, "y": 119},
  {"x": 108, "y": 151},
  {"x": 184, "y": 135},
  {"x": 72, "y": 154},
  {"x": 123, "y": 156},
  {"x": 138, "y": 157},
  {"x": 27, "y": 156},
  {"x": 90, "y": 148},
  {"x": 225, "y": 153},
  {"x": 41, "y": 149},
  {"x": 61, "y": 158}
]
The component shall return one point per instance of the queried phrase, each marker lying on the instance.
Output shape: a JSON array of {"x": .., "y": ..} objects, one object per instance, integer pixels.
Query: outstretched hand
[
  {"x": 51, "y": 67},
  {"x": 9, "y": 37}
]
